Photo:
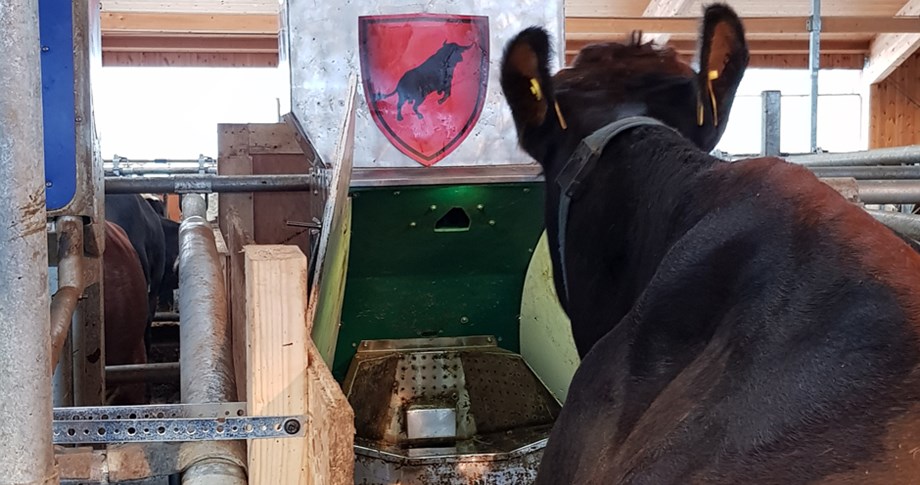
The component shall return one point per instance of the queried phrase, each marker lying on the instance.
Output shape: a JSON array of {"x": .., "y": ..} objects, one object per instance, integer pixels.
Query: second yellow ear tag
[
  {"x": 535, "y": 89},
  {"x": 713, "y": 75}
]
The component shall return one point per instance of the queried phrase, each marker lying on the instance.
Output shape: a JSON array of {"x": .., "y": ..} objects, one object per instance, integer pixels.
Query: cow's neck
[{"x": 618, "y": 232}]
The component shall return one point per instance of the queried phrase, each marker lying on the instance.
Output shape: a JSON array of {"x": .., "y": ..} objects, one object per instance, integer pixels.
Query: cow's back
[{"x": 776, "y": 343}]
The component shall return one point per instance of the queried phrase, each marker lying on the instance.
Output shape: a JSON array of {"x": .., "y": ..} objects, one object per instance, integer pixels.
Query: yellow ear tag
[
  {"x": 713, "y": 75},
  {"x": 561, "y": 118},
  {"x": 535, "y": 89}
]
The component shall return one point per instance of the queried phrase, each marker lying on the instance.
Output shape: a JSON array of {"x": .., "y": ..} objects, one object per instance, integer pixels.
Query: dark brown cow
[
  {"x": 739, "y": 323},
  {"x": 125, "y": 290}
]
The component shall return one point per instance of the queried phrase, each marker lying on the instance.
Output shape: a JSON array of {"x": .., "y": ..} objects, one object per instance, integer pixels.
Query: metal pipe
[
  {"x": 166, "y": 317},
  {"x": 869, "y": 173},
  {"x": 814, "y": 66},
  {"x": 205, "y": 358},
  {"x": 878, "y": 156},
  {"x": 770, "y": 128},
  {"x": 906, "y": 224},
  {"x": 70, "y": 282},
  {"x": 155, "y": 373},
  {"x": 141, "y": 167},
  {"x": 889, "y": 191},
  {"x": 26, "y": 454},
  {"x": 204, "y": 184}
]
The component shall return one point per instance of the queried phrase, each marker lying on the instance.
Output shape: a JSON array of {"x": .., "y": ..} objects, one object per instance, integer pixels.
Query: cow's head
[{"x": 613, "y": 80}]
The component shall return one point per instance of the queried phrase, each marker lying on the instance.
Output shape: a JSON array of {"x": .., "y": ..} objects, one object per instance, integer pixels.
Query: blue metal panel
[{"x": 56, "y": 31}]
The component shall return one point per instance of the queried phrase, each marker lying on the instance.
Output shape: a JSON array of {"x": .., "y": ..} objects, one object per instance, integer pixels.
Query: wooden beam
[
  {"x": 191, "y": 23},
  {"x": 576, "y": 27},
  {"x": 789, "y": 61},
  {"x": 237, "y": 44},
  {"x": 277, "y": 339},
  {"x": 759, "y": 47},
  {"x": 888, "y": 51},
  {"x": 665, "y": 8},
  {"x": 189, "y": 59}
]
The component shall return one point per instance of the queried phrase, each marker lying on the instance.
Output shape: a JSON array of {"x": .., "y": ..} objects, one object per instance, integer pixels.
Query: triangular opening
[{"x": 456, "y": 220}]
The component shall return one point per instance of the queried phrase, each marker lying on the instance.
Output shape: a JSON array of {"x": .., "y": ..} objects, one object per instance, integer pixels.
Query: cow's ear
[
  {"x": 723, "y": 60},
  {"x": 526, "y": 80}
]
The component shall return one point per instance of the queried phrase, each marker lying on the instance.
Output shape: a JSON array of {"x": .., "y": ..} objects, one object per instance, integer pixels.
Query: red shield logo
[{"x": 425, "y": 79}]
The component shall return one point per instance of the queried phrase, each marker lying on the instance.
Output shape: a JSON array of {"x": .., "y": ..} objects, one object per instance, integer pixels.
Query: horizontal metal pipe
[
  {"x": 204, "y": 346},
  {"x": 204, "y": 184},
  {"x": 878, "y": 156},
  {"x": 906, "y": 224},
  {"x": 868, "y": 173},
  {"x": 166, "y": 317},
  {"x": 149, "y": 373},
  {"x": 158, "y": 168},
  {"x": 70, "y": 282},
  {"x": 889, "y": 191}
]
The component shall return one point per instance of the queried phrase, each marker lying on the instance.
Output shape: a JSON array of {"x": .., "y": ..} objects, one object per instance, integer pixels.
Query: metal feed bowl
[{"x": 446, "y": 410}]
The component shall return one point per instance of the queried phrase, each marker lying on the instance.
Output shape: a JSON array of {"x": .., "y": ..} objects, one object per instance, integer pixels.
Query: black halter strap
[{"x": 572, "y": 177}]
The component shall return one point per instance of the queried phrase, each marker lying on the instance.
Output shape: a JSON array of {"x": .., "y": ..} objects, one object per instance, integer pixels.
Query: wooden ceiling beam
[
  {"x": 583, "y": 28},
  {"x": 759, "y": 47},
  {"x": 189, "y": 23},
  {"x": 665, "y": 8},
  {"x": 212, "y": 43},
  {"x": 888, "y": 51}
]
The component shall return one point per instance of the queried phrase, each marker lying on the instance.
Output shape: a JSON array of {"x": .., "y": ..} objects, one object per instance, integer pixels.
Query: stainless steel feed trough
[{"x": 445, "y": 411}]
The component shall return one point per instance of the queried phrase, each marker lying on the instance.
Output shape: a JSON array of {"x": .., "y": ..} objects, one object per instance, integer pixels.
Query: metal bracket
[
  {"x": 812, "y": 25},
  {"x": 176, "y": 422}
]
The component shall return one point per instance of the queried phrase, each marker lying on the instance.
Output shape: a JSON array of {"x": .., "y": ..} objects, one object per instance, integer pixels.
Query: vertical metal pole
[
  {"x": 205, "y": 350},
  {"x": 770, "y": 128},
  {"x": 26, "y": 456},
  {"x": 87, "y": 336},
  {"x": 814, "y": 65}
]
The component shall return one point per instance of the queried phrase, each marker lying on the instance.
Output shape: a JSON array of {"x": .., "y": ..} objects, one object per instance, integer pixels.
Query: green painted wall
[{"x": 408, "y": 278}]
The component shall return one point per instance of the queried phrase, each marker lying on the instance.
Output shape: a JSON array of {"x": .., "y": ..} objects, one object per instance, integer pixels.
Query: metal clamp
[{"x": 180, "y": 422}]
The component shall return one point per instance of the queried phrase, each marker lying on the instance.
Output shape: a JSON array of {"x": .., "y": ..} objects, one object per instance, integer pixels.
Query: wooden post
[
  {"x": 287, "y": 376},
  {"x": 276, "y": 358}
]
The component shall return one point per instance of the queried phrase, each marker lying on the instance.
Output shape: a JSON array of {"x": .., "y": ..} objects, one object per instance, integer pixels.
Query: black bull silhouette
[{"x": 435, "y": 74}]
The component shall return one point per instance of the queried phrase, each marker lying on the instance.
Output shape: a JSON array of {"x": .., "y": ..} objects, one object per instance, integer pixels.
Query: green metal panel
[
  {"x": 546, "y": 334},
  {"x": 416, "y": 270}
]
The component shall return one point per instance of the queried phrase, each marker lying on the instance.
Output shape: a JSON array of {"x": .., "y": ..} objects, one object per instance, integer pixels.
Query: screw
[
  {"x": 412, "y": 224},
  {"x": 489, "y": 339},
  {"x": 364, "y": 345},
  {"x": 396, "y": 193},
  {"x": 480, "y": 206},
  {"x": 48, "y": 184},
  {"x": 526, "y": 190},
  {"x": 464, "y": 320},
  {"x": 45, "y": 48},
  {"x": 492, "y": 222},
  {"x": 291, "y": 426},
  {"x": 354, "y": 345}
]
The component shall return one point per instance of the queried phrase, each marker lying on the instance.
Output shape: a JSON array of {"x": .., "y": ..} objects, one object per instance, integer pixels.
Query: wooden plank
[
  {"x": 202, "y": 43},
  {"x": 213, "y": 23},
  {"x": 666, "y": 8},
  {"x": 889, "y": 50},
  {"x": 277, "y": 339},
  {"x": 274, "y": 138},
  {"x": 188, "y": 59},
  {"x": 904, "y": 23},
  {"x": 332, "y": 426},
  {"x": 334, "y": 230},
  {"x": 775, "y": 46},
  {"x": 235, "y": 217}
]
